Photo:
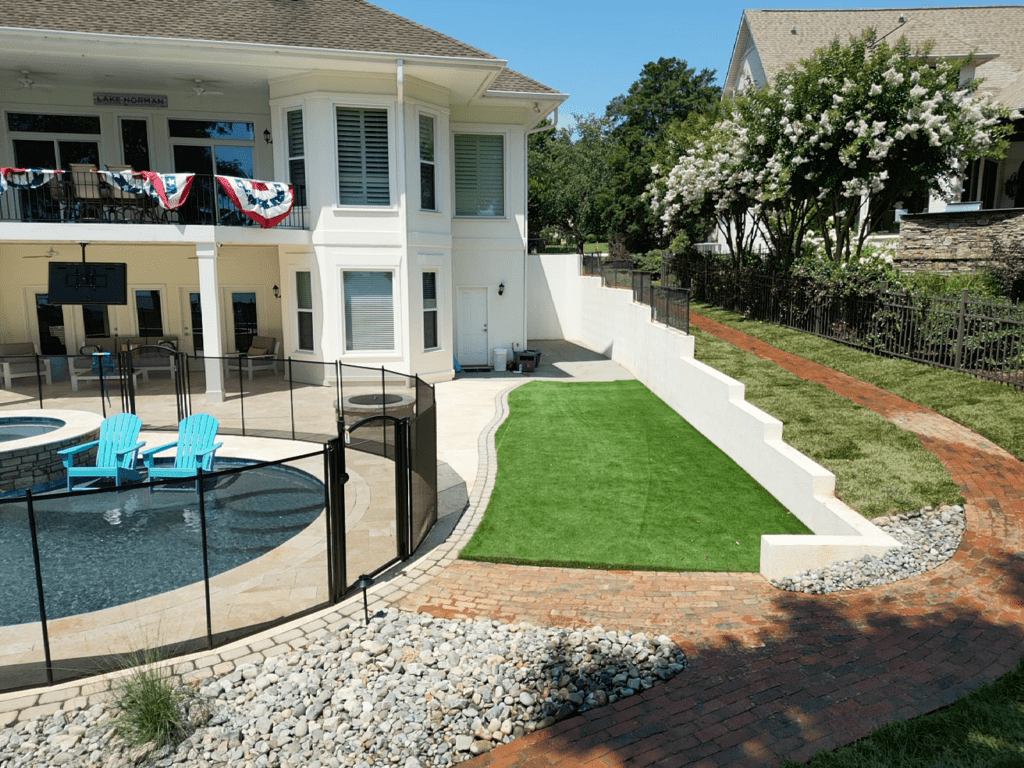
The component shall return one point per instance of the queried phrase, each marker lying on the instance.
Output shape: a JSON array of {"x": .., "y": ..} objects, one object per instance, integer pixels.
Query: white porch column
[{"x": 209, "y": 304}]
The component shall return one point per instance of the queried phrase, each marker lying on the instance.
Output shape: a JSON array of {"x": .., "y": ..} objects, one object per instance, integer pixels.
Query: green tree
[
  {"x": 569, "y": 179},
  {"x": 666, "y": 93}
]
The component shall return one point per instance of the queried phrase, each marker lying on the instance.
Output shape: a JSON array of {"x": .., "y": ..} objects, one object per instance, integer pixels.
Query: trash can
[
  {"x": 500, "y": 358},
  {"x": 528, "y": 360}
]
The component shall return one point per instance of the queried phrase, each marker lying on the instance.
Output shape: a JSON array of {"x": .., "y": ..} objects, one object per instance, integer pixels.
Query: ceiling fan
[
  {"x": 200, "y": 90},
  {"x": 27, "y": 83},
  {"x": 48, "y": 255}
]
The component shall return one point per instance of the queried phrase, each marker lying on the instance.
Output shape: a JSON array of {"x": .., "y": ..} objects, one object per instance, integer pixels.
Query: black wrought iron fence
[
  {"x": 669, "y": 305},
  {"x": 983, "y": 338}
]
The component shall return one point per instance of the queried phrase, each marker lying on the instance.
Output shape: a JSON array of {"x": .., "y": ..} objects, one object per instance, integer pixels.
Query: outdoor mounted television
[{"x": 88, "y": 283}]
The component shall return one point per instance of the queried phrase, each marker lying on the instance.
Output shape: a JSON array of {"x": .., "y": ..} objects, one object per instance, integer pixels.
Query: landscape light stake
[{"x": 364, "y": 583}]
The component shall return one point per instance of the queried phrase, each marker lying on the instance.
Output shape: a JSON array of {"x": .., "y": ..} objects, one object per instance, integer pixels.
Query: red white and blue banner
[
  {"x": 267, "y": 203},
  {"x": 170, "y": 190},
  {"x": 132, "y": 182},
  {"x": 25, "y": 178}
]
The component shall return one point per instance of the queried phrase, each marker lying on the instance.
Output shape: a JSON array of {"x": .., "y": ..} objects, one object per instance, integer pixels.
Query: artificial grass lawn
[
  {"x": 879, "y": 467},
  {"x": 993, "y": 410},
  {"x": 606, "y": 475},
  {"x": 982, "y": 730}
]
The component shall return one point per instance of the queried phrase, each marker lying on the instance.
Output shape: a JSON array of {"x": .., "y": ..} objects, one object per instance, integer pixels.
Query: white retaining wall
[{"x": 565, "y": 305}]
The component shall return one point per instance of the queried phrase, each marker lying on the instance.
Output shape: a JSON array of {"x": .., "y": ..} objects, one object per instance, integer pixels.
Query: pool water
[
  {"x": 102, "y": 550},
  {"x": 18, "y": 429}
]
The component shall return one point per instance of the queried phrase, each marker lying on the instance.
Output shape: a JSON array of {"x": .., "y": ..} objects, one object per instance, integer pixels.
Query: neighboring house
[
  {"x": 770, "y": 41},
  {"x": 406, "y": 149}
]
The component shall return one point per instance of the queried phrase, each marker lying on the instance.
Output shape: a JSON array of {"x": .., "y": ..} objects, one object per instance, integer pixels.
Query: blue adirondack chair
[
  {"x": 196, "y": 450},
  {"x": 117, "y": 452}
]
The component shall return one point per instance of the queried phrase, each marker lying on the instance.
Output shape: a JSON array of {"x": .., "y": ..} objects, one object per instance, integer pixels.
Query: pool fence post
[
  {"x": 337, "y": 477},
  {"x": 384, "y": 412},
  {"x": 241, "y": 394},
  {"x": 39, "y": 381},
  {"x": 39, "y": 588},
  {"x": 206, "y": 556},
  {"x": 403, "y": 509},
  {"x": 291, "y": 394}
]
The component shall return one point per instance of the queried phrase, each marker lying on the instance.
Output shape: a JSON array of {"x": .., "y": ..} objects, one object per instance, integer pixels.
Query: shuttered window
[
  {"x": 363, "y": 177},
  {"x": 479, "y": 175},
  {"x": 369, "y": 311},
  {"x": 430, "y": 310},
  {"x": 297, "y": 156},
  {"x": 428, "y": 201},
  {"x": 304, "y": 308}
]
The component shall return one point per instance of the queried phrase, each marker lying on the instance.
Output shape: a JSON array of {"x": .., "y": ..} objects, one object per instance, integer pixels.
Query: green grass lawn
[
  {"x": 982, "y": 730},
  {"x": 878, "y": 466},
  {"x": 606, "y": 475},
  {"x": 993, "y": 410}
]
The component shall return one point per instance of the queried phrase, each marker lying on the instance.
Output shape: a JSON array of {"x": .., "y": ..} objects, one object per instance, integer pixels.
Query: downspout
[
  {"x": 526, "y": 215},
  {"x": 403, "y": 206}
]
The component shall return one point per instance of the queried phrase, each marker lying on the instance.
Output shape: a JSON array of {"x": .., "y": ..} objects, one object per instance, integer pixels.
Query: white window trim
[
  {"x": 135, "y": 307},
  {"x": 506, "y": 181},
  {"x": 389, "y": 107},
  {"x": 437, "y": 310},
  {"x": 285, "y": 140},
  {"x": 396, "y": 311},
  {"x": 438, "y": 197},
  {"x": 296, "y": 309}
]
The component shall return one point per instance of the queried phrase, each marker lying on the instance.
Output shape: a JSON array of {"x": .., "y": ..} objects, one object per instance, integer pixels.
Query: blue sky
[{"x": 594, "y": 49}]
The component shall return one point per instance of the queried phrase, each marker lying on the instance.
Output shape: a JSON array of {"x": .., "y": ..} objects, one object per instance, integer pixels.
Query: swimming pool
[{"x": 102, "y": 550}]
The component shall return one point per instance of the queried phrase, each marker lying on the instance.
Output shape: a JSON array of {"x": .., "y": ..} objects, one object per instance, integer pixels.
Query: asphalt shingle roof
[{"x": 344, "y": 25}]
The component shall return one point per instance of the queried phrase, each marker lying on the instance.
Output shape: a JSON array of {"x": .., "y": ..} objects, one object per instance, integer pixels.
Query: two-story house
[{"x": 405, "y": 246}]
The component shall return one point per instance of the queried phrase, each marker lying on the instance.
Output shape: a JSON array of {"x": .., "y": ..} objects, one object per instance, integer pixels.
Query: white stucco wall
[{"x": 606, "y": 320}]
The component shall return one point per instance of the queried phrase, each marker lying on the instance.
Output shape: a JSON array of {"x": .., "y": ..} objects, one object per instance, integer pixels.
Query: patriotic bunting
[
  {"x": 170, "y": 190},
  {"x": 267, "y": 203},
  {"x": 25, "y": 178},
  {"x": 132, "y": 182}
]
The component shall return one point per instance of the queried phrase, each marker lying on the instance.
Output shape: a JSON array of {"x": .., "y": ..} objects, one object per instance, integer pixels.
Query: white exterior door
[{"x": 472, "y": 340}]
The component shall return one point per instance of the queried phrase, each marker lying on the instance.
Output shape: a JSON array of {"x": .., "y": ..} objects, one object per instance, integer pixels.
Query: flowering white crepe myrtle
[{"x": 856, "y": 121}]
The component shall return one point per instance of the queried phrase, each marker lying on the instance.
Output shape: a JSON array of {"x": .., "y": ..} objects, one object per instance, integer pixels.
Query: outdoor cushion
[{"x": 256, "y": 351}]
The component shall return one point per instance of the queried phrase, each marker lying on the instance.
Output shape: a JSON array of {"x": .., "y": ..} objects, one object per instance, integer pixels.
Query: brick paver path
[{"x": 776, "y": 673}]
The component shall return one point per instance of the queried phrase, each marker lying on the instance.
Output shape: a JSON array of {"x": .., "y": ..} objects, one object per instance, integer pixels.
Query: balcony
[{"x": 69, "y": 199}]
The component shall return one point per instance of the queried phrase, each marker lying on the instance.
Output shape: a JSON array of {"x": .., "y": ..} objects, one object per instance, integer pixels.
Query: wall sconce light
[
  {"x": 267, "y": 137},
  {"x": 277, "y": 292},
  {"x": 501, "y": 289}
]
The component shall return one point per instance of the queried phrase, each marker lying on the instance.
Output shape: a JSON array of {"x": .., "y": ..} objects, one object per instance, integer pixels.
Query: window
[
  {"x": 304, "y": 308},
  {"x": 296, "y": 155},
  {"x": 430, "y": 310},
  {"x": 363, "y": 176},
  {"x": 369, "y": 311},
  {"x": 428, "y": 200},
  {"x": 243, "y": 313},
  {"x": 211, "y": 129},
  {"x": 149, "y": 313},
  {"x": 20, "y": 121},
  {"x": 135, "y": 143},
  {"x": 94, "y": 317},
  {"x": 479, "y": 175}
]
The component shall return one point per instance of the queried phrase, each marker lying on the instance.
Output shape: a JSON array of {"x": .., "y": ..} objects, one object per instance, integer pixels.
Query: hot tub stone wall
[
  {"x": 39, "y": 464},
  {"x": 952, "y": 243}
]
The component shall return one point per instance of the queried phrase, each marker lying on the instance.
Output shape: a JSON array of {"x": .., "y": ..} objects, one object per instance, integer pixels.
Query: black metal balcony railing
[{"x": 94, "y": 201}]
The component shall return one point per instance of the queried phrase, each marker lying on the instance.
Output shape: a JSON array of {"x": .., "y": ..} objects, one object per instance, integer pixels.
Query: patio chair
[
  {"x": 124, "y": 206},
  {"x": 90, "y": 193},
  {"x": 17, "y": 361},
  {"x": 195, "y": 450},
  {"x": 261, "y": 356},
  {"x": 117, "y": 452}
]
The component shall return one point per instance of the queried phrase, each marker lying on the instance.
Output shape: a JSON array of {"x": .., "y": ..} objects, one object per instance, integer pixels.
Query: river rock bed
[
  {"x": 408, "y": 690},
  {"x": 929, "y": 537}
]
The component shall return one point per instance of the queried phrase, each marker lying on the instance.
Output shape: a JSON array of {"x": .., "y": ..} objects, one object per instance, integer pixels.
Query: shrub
[
  {"x": 647, "y": 262},
  {"x": 154, "y": 705},
  {"x": 1007, "y": 269}
]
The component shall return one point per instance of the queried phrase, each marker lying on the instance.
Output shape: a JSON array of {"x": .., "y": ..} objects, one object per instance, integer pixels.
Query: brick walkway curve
[{"x": 776, "y": 673}]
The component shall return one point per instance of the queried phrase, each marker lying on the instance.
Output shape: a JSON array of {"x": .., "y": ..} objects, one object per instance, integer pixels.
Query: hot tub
[{"x": 30, "y": 441}]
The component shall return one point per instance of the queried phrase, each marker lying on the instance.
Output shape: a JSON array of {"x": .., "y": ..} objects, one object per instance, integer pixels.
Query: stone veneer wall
[
  {"x": 41, "y": 463},
  {"x": 950, "y": 243}
]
